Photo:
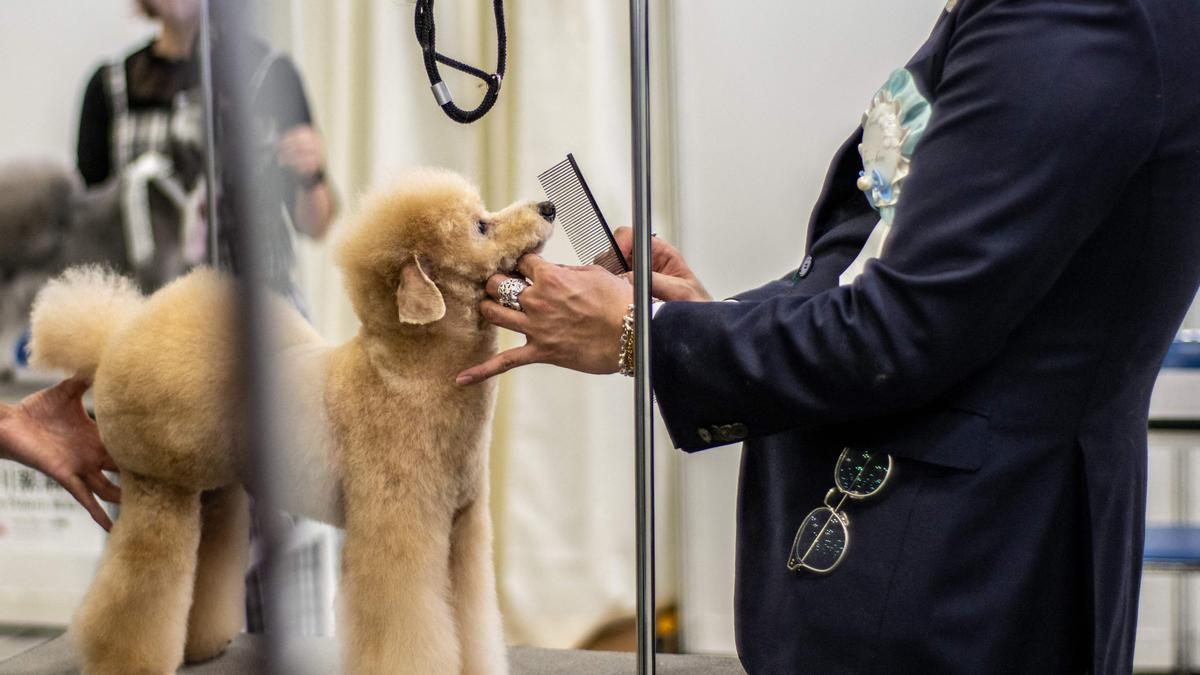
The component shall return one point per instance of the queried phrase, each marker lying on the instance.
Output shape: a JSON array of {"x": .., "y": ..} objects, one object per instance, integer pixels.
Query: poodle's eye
[{"x": 483, "y": 227}]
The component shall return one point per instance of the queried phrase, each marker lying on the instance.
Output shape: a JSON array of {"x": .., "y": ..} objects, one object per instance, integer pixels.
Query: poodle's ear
[{"x": 418, "y": 299}]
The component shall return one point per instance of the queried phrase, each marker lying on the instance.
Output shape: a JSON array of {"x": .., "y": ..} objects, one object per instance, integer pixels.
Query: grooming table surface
[{"x": 319, "y": 655}]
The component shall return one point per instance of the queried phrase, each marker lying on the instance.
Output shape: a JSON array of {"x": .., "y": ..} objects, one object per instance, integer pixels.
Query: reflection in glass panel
[{"x": 101, "y": 162}]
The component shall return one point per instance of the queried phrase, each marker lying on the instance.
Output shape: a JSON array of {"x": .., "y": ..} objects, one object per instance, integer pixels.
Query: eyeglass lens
[
  {"x": 820, "y": 541},
  {"x": 862, "y": 472}
]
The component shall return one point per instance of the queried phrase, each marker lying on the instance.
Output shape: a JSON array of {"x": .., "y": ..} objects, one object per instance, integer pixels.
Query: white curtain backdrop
[{"x": 562, "y": 455}]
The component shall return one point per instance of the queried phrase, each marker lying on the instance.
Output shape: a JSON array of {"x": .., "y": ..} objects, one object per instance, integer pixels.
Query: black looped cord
[{"x": 425, "y": 36}]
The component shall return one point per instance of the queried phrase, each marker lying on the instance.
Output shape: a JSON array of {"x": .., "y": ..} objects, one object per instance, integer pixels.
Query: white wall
[
  {"x": 48, "y": 50},
  {"x": 764, "y": 95}
]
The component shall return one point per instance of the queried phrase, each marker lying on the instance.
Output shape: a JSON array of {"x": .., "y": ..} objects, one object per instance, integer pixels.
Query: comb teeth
[{"x": 580, "y": 216}]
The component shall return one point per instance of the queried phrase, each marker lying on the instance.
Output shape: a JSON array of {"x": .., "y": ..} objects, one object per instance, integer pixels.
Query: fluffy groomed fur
[
  {"x": 379, "y": 440},
  {"x": 60, "y": 339}
]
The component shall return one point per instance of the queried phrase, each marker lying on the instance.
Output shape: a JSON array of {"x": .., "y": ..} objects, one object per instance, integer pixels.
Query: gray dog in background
[{"x": 49, "y": 221}]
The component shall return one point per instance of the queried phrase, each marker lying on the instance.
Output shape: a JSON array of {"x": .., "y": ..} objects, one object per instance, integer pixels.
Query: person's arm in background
[
  {"x": 93, "y": 146},
  {"x": 50, "y": 431},
  {"x": 301, "y": 150},
  {"x": 1044, "y": 112}
]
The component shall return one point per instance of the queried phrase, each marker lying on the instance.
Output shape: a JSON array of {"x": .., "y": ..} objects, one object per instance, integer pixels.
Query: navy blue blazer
[{"x": 1003, "y": 348}]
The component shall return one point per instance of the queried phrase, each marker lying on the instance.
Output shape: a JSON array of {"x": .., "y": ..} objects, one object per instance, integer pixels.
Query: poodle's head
[{"x": 420, "y": 252}]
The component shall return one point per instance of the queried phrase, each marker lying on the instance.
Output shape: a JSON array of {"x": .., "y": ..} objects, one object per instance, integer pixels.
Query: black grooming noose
[{"x": 425, "y": 37}]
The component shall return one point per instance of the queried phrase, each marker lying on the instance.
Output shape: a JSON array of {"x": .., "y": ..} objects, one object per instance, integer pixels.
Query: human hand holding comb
[
  {"x": 580, "y": 217},
  {"x": 575, "y": 317},
  {"x": 672, "y": 278}
]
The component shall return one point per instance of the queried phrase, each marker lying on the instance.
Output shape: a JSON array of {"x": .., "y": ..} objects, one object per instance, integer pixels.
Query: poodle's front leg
[
  {"x": 474, "y": 581},
  {"x": 395, "y": 581},
  {"x": 134, "y": 617}
]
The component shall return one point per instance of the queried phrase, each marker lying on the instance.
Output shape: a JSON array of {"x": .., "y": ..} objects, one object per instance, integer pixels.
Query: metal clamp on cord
[
  {"x": 424, "y": 24},
  {"x": 441, "y": 93}
]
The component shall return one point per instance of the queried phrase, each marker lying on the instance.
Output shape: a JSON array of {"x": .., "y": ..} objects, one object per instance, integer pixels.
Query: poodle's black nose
[{"x": 547, "y": 210}]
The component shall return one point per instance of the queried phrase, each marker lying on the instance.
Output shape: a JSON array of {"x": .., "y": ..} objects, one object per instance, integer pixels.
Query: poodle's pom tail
[{"x": 75, "y": 314}]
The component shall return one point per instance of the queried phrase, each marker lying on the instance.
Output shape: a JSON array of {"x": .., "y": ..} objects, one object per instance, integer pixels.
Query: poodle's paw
[
  {"x": 199, "y": 650},
  {"x": 127, "y": 664},
  {"x": 114, "y": 656}
]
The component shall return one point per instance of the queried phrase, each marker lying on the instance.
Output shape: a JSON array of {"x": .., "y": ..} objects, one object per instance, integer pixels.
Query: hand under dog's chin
[{"x": 509, "y": 267}]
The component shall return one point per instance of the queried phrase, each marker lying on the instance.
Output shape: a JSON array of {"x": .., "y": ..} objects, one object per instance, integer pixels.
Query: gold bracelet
[{"x": 625, "y": 359}]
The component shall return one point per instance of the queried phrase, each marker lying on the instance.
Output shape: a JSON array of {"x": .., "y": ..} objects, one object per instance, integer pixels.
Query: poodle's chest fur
[{"x": 417, "y": 432}]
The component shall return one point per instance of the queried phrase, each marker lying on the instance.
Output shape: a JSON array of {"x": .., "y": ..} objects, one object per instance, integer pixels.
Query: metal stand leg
[
  {"x": 1183, "y": 646},
  {"x": 1183, "y": 656}
]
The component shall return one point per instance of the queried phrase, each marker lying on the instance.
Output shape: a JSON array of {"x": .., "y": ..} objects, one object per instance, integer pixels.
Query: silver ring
[{"x": 510, "y": 291}]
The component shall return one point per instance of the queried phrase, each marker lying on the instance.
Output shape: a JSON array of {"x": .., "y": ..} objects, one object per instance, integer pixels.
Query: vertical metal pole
[
  {"x": 639, "y": 45},
  {"x": 244, "y": 202},
  {"x": 210, "y": 141}
]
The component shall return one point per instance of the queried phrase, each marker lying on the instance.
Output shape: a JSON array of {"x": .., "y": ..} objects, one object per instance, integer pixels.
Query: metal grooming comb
[{"x": 580, "y": 216}]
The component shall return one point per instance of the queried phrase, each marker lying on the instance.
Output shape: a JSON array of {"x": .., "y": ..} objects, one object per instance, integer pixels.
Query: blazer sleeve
[{"x": 1044, "y": 111}]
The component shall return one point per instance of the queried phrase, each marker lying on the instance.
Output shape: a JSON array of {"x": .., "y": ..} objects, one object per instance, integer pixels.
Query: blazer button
[
  {"x": 805, "y": 267},
  {"x": 704, "y": 435},
  {"x": 730, "y": 432}
]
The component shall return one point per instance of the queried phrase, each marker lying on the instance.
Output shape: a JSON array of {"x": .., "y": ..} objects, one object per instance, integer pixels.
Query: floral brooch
[{"x": 892, "y": 127}]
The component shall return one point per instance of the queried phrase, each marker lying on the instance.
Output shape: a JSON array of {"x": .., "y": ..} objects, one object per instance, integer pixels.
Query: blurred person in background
[{"x": 143, "y": 115}]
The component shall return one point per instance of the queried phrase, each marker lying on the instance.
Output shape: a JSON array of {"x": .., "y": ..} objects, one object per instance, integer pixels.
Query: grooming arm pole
[
  {"x": 210, "y": 142},
  {"x": 639, "y": 45}
]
